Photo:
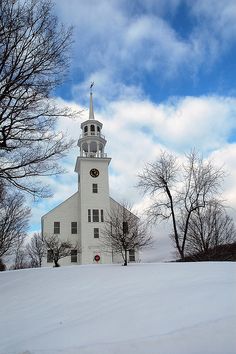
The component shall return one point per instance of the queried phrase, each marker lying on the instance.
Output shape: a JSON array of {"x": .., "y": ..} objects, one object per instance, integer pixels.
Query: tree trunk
[
  {"x": 56, "y": 263},
  {"x": 126, "y": 260},
  {"x": 176, "y": 235}
]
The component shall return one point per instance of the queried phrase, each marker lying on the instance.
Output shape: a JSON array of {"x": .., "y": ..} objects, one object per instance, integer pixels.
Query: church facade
[{"x": 80, "y": 219}]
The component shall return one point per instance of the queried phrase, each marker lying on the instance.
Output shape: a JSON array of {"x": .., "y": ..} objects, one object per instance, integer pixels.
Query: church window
[
  {"x": 95, "y": 215},
  {"x": 95, "y": 188},
  {"x": 96, "y": 232},
  {"x": 49, "y": 256},
  {"x": 85, "y": 129},
  {"x": 102, "y": 216},
  {"x": 132, "y": 256},
  {"x": 74, "y": 227},
  {"x": 89, "y": 215},
  {"x": 98, "y": 129},
  {"x": 56, "y": 227},
  {"x": 73, "y": 255},
  {"x": 92, "y": 128}
]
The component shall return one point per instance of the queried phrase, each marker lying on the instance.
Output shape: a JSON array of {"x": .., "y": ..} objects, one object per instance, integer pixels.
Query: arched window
[
  {"x": 85, "y": 129},
  {"x": 98, "y": 129},
  {"x": 92, "y": 128}
]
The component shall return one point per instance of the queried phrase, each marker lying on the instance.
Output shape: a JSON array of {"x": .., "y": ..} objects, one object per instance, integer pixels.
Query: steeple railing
[
  {"x": 93, "y": 154},
  {"x": 92, "y": 134}
]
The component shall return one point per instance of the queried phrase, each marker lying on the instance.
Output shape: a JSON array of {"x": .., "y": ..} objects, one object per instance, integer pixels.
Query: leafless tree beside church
[
  {"x": 124, "y": 232},
  {"x": 14, "y": 218},
  {"x": 34, "y": 57},
  {"x": 19, "y": 256},
  {"x": 36, "y": 250},
  {"x": 209, "y": 228},
  {"x": 179, "y": 191},
  {"x": 56, "y": 249}
]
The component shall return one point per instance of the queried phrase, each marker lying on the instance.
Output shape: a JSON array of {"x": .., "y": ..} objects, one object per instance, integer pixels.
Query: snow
[{"x": 162, "y": 308}]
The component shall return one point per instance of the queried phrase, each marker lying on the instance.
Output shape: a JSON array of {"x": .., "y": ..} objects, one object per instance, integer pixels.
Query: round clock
[{"x": 94, "y": 172}]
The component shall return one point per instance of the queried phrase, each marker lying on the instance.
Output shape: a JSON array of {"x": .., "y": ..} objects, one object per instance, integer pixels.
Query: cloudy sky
[{"x": 165, "y": 75}]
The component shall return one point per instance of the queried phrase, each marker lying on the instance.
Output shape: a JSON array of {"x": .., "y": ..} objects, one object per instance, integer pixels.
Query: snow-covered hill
[{"x": 140, "y": 309}]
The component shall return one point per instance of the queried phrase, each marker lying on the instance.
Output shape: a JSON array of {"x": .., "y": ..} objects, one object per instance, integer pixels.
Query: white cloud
[
  {"x": 203, "y": 122},
  {"x": 137, "y": 131},
  {"x": 218, "y": 16}
]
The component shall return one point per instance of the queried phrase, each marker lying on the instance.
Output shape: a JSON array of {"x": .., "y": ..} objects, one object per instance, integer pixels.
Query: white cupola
[{"x": 91, "y": 141}]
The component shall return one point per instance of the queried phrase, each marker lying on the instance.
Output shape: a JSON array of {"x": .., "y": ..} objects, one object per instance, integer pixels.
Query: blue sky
[
  {"x": 165, "y": 48},
  {"x": 165, "y": 74}
]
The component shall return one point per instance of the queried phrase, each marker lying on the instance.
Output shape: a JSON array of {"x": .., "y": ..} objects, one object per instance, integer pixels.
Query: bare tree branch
[
  {"x": 34, "y": 57},
  {"x": 36, "y": 250},
  {"x": 178, "y": 191},
  {"x": 14, "y": 218},
  {"x": 124, "y": 231},
  {"x": 209, "y": 227},
  {"x": 58, "y": 248}
]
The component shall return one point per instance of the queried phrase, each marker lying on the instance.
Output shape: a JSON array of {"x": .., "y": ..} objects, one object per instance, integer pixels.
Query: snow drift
[{"x": 187, "y": 308}]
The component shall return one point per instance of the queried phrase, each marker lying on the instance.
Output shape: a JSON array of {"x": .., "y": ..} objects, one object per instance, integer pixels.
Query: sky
[{"x": 164, "y": 74}]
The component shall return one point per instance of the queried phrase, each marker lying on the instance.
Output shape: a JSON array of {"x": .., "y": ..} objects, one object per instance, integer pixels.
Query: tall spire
[{"x": 91, "y": 112}]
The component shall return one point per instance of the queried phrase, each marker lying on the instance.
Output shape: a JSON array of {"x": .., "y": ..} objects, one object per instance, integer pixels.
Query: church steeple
[
  {"x": 91, "y": 141},
  {"x": 91, "y": 111}
]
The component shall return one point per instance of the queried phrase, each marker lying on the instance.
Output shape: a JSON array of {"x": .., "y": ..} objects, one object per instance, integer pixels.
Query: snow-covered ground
[{"x": 109, "y": 309}]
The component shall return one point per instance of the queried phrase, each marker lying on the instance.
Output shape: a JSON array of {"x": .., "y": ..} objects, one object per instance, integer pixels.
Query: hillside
[{"x": 187, "y": 308}]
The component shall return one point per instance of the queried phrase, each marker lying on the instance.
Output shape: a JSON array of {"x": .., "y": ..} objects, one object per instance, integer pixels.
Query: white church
[{"x": 80, "y": 218}]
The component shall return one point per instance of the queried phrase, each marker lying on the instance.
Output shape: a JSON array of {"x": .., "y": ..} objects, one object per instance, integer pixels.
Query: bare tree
[
  {"x": 124, "y": 231},
  {"x": 20, "y": 260},
  {"x": 179, "y": 190},
  {"x": 34, "y": 58},
  {"x": 209, "y": 227},
  {"x": 36, "y": 250},
  {"x": 57, "y": 249},
  {"x": 14, "y": 218}
]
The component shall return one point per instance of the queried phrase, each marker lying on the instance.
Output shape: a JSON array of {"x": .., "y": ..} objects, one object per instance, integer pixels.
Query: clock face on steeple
[{"x": 94, "y": 172}]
